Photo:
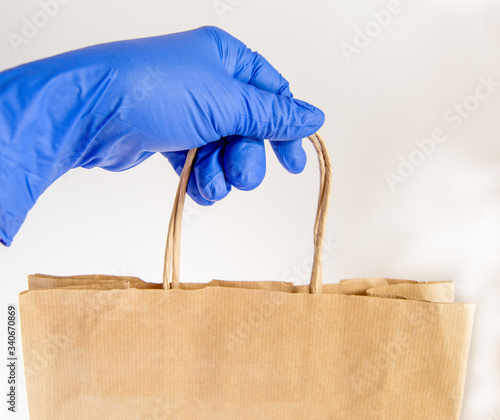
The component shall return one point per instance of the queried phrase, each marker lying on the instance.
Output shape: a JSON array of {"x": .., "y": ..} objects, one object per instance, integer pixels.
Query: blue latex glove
[{"x": 114, "y": 105}]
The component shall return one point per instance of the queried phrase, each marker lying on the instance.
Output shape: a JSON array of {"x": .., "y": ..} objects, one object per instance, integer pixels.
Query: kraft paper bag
[{"x": 110, "y": 347}]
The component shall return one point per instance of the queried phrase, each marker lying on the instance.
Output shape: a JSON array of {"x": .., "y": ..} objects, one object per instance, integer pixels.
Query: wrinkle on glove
[{"x": 114, "y": 105}]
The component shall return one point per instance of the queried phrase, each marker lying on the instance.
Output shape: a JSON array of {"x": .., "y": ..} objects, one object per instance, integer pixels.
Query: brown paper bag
[{"x": 109, "y": 347}]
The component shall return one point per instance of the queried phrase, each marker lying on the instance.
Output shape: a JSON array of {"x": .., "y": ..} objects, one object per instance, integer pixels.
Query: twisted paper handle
[{"x": 172, "y": 248}]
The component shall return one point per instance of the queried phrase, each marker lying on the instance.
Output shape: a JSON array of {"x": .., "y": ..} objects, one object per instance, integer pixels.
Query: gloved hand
[{"x": 114, "y": 105}]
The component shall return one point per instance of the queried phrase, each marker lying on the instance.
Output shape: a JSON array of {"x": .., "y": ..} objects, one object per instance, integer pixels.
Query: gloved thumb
[{"x": 264, "y": 115}]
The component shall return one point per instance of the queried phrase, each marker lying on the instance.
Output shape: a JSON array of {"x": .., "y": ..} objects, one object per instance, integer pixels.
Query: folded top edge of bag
[{"x": 432, "y": 291}]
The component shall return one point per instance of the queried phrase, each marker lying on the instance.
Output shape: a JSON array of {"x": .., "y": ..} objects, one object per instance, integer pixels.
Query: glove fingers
[
  {"x": 248, "y": 66},
  {"x": 290, "y": 154},
  {"x": 240, "y": 162},
  {"x": 244, "y": 162},
  {"x": 208, "y": 169},
  {"x": 194, "y": 191},
  {"x": 265, "y": 115},
  {"x": 252, "y": 68}
]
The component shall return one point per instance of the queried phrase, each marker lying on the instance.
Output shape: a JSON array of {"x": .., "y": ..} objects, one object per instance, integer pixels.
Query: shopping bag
[{"x": 113, "y": 347}]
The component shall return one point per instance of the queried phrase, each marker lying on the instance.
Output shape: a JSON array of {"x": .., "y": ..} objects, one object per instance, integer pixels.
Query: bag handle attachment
[{"x": 172, "y": 248}]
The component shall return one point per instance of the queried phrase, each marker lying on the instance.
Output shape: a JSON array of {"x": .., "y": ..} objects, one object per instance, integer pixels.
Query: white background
[{"x": 441, "y": 223}]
